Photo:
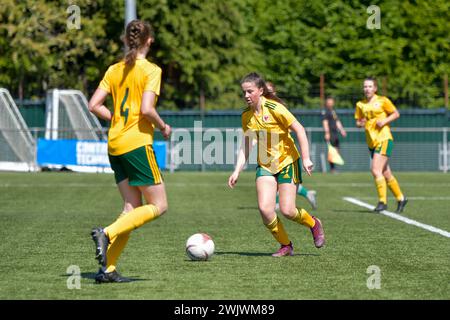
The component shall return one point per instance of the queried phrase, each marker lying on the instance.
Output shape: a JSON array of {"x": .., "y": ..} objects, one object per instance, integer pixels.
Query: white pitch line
[
  {"x": 399, "y": 217},
  {"x": 414, "y": 198}
]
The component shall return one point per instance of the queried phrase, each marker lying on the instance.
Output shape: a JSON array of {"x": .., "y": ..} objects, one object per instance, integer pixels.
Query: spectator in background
[{"x": 332, "y": 126}]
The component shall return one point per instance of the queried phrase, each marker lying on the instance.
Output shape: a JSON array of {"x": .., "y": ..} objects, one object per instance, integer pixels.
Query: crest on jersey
[{"x": 265, "y": 118}]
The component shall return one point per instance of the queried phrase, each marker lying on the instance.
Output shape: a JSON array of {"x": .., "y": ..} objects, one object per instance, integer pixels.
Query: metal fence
[
  {"x": 215, "y": 149},
  {"x": 421, "y": 135},
  {"x": 415, "y": 149}
]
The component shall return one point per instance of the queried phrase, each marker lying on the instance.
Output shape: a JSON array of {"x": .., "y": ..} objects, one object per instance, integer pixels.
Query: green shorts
[
  {"x": 138, "y": 166},
  {"x": 292, "y": 173},
  {"x": 384, "y": 148}
]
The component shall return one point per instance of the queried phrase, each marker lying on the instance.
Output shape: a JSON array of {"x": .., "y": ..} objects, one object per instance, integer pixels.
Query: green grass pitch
[{"x": 46, "y": 219}]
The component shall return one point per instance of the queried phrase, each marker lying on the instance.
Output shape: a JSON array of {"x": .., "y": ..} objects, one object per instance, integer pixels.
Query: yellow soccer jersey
[
  {"x": 276, "y": 148},
  {"x": 129, "y": 129},
  {"x": 380, "y": 108}
]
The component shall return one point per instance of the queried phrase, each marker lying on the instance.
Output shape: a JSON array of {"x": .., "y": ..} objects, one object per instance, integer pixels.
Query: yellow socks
[
  {"x": 395, "y": 188},
  {"x": 304, "y": 218},
  {"x": 277, "y": 229},
  {"x": 115, "y": 248},
  {"x": 132, "y": 220},
  {"x": 380, "y": 183},
  {"x": 278, "y": 232}
]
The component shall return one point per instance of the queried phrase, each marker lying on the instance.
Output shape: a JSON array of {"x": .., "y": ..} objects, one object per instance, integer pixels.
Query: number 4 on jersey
[{"x": 124, "y": 113}]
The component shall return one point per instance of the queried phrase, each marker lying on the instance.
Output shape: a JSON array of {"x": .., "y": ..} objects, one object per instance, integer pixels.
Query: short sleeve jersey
[
  {"x": 332, "y": 118},
  {"x": 276, "y": 148},
  {"x": 129, "y": 129},
  {"x": 378, "y": 109}
]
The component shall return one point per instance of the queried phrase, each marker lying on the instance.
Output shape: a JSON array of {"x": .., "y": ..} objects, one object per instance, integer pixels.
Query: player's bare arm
[
  {"x": 304, "y": 146},
  {"x": 97, "y": 107},
  {"x": 393, "y": 116},
  {"x": 150, "y": 113},
  {"x": 360, "y": 123}
]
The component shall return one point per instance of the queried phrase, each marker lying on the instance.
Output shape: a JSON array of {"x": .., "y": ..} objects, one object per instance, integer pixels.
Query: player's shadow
[
  {"x": 258, "y": 254},
  {"x": 91, "y": 276},
  {"x": 247, "y": 208}
]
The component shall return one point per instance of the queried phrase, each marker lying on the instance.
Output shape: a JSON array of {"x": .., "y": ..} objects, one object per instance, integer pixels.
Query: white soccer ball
[{"x": 200, "y": 246}]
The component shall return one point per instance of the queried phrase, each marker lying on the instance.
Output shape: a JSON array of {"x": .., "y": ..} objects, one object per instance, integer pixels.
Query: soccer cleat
[
  {"x": 311, "y": 196},
  {"x": 285, "y": 250},
  {"x": 101, "y": 245},
  {"x": 109, "y": 277},
  {"x": 401, "y": 205},
  {"x": 317, "y": 233},
  {"x": 380, "y": 207}
]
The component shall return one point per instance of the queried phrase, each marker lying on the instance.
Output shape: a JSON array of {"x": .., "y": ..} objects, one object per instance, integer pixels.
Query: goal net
[
  {"x": 68, "y": 117},
  {"x": 17, "y": 146}
]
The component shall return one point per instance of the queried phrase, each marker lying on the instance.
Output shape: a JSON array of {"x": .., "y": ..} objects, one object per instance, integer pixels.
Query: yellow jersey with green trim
[
  {"x": 276, "y": 148},
  {"x": 378, "y": 109},
  {"x": 129, "y": 129}
]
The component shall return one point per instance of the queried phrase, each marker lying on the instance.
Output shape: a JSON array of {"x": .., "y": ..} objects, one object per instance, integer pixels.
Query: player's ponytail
[
  {"x": 272, "y": 93},
  {"x": 272, "y": 96},
  {"x": 137, "y": 33}
]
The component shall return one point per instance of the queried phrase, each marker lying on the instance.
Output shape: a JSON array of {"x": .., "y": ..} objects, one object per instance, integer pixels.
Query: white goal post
[
  {"x": 68, "y": 117},
  {"x": 17, "y": 146}
]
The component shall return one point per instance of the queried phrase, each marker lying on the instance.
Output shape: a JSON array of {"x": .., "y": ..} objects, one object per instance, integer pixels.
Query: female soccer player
[
  {"x": 309, "y": 195},
  {"x": 134, "y": 84},
  {"x": 268, "y": 121},
  {"x": 375, "y": 113}
]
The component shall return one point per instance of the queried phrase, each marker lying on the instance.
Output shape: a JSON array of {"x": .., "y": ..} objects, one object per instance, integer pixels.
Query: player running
[
  {"x": 309, "y": 195},
  {"x": 134, "y": 84},
  {"x": 268, "y": 121}
]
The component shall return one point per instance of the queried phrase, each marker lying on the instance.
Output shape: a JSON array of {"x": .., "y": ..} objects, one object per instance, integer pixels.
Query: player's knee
[
  {"x": 266, "y": 210},
  {"x": 288, "y": 211},
  {"x": 128, "y": 206},
  {"x": 387, "y": 173},
  {"x": 376, "y": 172},
  {"x": 162, "y": 207}
]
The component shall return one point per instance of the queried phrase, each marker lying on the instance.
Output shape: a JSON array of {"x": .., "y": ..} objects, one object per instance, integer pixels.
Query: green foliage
[
  {"x": 305, "y": 39},
  {"x": 203, "y": 47},
  {"x": 40, "y": 51},
  {"x": 206, "y": 47}
]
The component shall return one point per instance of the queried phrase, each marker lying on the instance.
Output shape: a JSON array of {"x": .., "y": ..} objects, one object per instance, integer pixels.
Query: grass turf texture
[{"x": 46, "y": 220}]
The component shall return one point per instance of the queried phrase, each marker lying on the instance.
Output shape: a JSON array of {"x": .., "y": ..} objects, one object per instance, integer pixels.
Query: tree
[
  {"x": 40, "y": 51},
  {"x": 304, "y": 39},
  {"x": 204, "y": 48}
]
